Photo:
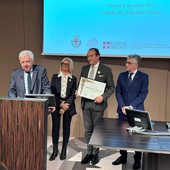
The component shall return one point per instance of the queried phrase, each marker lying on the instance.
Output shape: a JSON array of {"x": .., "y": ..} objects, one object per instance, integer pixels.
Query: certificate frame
[{"x": 90, "y": 89}]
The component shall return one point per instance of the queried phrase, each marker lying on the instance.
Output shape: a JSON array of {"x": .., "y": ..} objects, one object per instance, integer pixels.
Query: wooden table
[{"x": 112, "y": 133}]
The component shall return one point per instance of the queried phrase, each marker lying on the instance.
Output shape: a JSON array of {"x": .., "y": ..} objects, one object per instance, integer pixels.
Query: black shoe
[
  {"x": 55, "y": 152},
  {"x": 95, "y": 159},
  {"x": 63, "y": 153},
  {"x": 53, "y": 155},
  {"x": 136, "y": 165},
  {"x": 119, "y": 161},
  {"x": 87, "y": 159}
]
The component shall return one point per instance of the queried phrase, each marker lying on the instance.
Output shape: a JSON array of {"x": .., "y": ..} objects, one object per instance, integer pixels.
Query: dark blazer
[
  {"x": 40, "y": 83},
  {"x": 103, "y": 74},
  {"x": 134, "y": 94},
  {"x": 70, "y": 93}
]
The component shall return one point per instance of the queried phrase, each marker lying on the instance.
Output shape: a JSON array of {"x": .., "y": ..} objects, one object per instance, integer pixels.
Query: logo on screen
[
  {"x": 106, "y": 45},
  {"x": 76, "y": 42},
  {"x": 114, "y": 44}
]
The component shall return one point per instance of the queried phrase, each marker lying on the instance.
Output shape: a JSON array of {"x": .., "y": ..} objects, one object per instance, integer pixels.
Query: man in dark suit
[
  {"x": 131, "y": 91},
  {"x": 38, "y": 81},
  {"x": 94, "y": 109}
]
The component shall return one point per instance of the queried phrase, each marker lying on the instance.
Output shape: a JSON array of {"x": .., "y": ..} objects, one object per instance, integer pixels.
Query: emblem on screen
[{"x": 76, "y": 42}]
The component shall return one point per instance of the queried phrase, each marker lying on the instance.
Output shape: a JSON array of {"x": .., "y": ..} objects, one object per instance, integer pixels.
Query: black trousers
[
  {"x": 137, "y": 156},
  {"x": 56, "y": 117}
]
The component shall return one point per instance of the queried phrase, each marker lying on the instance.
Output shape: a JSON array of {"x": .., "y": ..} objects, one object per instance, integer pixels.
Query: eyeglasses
[
  {"x": 65, "y": 64},
  {"x": 127, "y": 62}
]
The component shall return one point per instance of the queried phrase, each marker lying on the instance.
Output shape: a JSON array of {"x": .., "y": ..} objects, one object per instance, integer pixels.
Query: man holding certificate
[{"x": 95, "y": 87}]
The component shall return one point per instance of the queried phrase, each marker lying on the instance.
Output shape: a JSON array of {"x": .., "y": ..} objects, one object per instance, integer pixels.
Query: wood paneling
[{"x": 23, "y": 134}]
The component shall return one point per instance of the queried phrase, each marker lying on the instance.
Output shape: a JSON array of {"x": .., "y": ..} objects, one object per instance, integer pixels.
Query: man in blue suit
[
  {"x": 39, "y": 83},
  {"x": 131, "y": 91}
]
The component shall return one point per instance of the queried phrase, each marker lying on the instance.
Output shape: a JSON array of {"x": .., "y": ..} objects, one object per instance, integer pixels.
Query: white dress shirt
[{"x": 64, "y": 80}]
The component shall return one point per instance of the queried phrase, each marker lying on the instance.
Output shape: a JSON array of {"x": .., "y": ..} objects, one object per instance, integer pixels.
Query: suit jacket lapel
[
  {"x": 135, "y": 78},
  {"x": 58, "y": 83},
  {"x": 69, "y": 84},
  {"x": 86, "y": 71},
  {"x": 99, "y": 71},
  {"x": 126, "y": 78},
  {"x": 34, "y": 75},
  {"x": 22, "y": 81}
]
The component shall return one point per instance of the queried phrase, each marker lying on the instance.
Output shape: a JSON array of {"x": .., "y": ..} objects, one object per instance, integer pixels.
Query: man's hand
[
  {"x": 51, "y": 109},
  {"x": 123, "y": 109},
  {"x": 98, "y": 99},
  {"x": 76, "y": 94}
]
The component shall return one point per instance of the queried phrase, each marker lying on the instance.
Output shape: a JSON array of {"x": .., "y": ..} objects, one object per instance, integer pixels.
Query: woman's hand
[
  {"x": 64, "y": 106},
  {"x": 61, "y": 111}
]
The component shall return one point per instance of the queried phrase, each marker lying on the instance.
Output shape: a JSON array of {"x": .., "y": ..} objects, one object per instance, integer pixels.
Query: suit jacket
[
  {"x": 103, "y": 74},
  {"x": 133, "y": 94},
  {"x": 40, "y": 83},
  {"x": 70, "y": 92}
]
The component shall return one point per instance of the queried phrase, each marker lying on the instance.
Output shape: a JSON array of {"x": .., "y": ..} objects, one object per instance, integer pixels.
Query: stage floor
[{"x": 77, "y": 150}]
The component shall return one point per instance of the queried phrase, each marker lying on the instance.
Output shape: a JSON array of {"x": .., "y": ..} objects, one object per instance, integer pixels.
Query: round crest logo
[{"x": 76, "y": 42}]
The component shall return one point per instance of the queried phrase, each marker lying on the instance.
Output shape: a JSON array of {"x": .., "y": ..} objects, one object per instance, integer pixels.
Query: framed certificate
[{"x": 90, "y": 89}]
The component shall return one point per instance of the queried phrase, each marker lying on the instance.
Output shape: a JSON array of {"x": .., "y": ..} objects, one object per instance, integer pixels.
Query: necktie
[
  {"x": 130, "y": 78},
  {"x": 91, "y": 75},
  {"x": 29, "y": 81}
]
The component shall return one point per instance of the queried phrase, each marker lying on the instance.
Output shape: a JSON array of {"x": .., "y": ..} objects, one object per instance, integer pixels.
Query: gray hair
[
  {"x": 135, "y": 57},
  {"x": 70, "y": 61},
  {"x": 26, "y": 52}
]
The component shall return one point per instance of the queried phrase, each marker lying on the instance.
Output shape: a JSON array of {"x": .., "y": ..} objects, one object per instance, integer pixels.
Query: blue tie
[
  {"x": 130, "y": 78},
  {"x": 29, "y": 81}
]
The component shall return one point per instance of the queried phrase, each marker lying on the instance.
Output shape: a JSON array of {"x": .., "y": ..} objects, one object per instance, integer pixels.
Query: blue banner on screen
[{"x": 116, "y": 27}]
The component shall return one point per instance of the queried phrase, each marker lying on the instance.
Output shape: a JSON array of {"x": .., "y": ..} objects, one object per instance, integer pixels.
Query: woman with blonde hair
[{"x": 63, "y": 86}]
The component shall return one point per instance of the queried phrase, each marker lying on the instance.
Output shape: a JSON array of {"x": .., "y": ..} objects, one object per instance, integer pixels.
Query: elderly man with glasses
[{"x": 131, "y": 92}]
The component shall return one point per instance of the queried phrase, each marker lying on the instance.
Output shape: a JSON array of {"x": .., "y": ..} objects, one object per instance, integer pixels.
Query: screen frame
[{"x": 139, "y": 118}]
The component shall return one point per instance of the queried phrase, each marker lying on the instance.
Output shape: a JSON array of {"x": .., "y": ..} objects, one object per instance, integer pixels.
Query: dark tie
[
  {"x": 29, "y": 81},
  {"x": 130, "y": 78},
  {"x": 91, "y": 75}
]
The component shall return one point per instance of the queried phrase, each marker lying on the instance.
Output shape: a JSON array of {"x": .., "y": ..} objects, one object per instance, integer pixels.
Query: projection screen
[{"x": 116, "y": 27}]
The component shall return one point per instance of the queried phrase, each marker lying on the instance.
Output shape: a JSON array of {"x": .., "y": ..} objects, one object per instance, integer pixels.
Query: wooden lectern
[{"x": 23, "y": 133}]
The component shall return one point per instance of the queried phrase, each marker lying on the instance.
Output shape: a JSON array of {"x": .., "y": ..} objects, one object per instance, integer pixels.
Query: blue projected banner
[{"x": 116, "y": 27}]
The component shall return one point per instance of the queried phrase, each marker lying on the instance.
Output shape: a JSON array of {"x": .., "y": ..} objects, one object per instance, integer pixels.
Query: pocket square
[{"x": 100, "y": 75}]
